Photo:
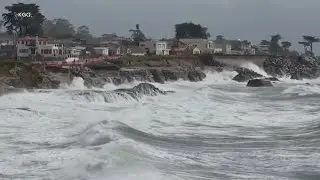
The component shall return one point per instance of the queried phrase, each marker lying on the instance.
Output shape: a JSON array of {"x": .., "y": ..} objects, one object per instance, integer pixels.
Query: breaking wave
[
  {"x": 303, "y": 90},
  {"x": 255, "y": 68},
  {"x": 214, "y": 129}
]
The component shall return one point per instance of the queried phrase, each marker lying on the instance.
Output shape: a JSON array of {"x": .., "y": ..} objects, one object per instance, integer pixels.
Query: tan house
[
  {"x": 198, "y": 46},
  {"x": 136, "y": 51}
]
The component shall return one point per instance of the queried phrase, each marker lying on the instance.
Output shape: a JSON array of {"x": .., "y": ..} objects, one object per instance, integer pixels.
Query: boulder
[
  {"x": 259, "y": 83},
  {"x": 271, "y": 79},
  {"x": 141, "y": 89},
  {"x": 157, "y": 76},
  {"x": 245, "y": 74},
  {"x": 195, "y": 76}
]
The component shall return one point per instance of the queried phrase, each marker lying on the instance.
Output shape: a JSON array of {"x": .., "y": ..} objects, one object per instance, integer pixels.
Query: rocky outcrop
[
  {"x": 301, "y": 67},
  {"x": 245, "y": 75},
  {"x": 159, "y": 75},
  {"x": 27, "y": 76},
  {"x": 141, "y": 89},
  {"x": 259, "y": 83},
  {"x": 271, "y": 79}
]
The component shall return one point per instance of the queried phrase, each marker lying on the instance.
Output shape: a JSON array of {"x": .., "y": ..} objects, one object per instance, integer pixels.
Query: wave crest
[{"x": 303, "y": 90}]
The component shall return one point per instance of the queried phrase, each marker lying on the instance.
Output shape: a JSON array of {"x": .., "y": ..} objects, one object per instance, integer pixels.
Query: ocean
[{"x": 214, "y": 129}]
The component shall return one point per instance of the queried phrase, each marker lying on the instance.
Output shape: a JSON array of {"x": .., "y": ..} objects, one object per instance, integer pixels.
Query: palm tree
[
  {"x": 305, "y": 46},
  {"x": 1, "y": 24},
  {"x": 286, "y": 45},
  {"x": 311, "y": 40},
  {"x": 274, "y": 43},
  {"x": 265, "y": 42},
  {"x": 137, "y": 35}
]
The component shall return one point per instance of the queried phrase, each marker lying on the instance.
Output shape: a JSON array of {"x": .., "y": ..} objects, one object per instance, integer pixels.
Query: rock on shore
[
  {"x": 159, "y": 75},
  {"x": 301, "y": 67},
  {"x": 259, "y": 83},
  {"x": 245, "y": 75},
  {"x": 19, "y": 75}
]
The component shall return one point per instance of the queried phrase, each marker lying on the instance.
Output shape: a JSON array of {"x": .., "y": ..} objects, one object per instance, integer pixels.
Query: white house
[
  {"x": 51, "y": 50},
  {"x": 196, "y": 50},
  {"x": 104, "y": 51},
  {"x": 222, "y": 48},
  {"x": 162, "y": 48},
  {"x": 27, "y": 46}
]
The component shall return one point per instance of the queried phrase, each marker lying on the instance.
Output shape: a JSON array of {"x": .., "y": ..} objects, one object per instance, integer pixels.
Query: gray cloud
[{"x": 244, "y": 19}]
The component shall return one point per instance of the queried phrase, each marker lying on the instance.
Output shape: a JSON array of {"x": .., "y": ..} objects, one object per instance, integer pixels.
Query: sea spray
[{"x": 255, "y": 68}]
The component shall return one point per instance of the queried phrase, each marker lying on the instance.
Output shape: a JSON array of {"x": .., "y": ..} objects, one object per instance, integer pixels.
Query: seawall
[{"x": 241, "y": 59}]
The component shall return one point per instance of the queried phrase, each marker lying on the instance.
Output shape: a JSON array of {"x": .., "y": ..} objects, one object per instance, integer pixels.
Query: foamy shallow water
[{"x": 215, "y": 129}]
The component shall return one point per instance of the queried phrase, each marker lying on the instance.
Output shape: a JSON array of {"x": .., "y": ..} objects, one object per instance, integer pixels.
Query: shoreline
[{"x": 27, "y": 75}]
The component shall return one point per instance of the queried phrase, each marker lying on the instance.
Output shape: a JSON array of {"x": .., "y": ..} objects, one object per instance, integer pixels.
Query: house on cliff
[
  {"x": 199, "y": 46},
  {"x": 163, "y": 47}
]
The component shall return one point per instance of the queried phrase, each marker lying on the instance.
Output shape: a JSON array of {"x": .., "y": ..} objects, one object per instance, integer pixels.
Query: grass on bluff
[{"x": 6, "y": 65}]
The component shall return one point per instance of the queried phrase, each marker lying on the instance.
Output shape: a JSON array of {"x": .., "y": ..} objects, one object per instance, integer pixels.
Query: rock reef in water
[
  {"x": 259, "y": 83},
  {"x": 142, "y": 89},
  {"x": 245, "y": 75}
]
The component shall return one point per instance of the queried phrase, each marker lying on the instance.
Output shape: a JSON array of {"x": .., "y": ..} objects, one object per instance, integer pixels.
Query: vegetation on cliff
[{"x": 24, "y": 75}]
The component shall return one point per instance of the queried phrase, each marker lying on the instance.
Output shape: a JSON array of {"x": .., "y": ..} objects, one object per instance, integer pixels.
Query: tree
[
  {"x": 1, "y": 24},
  {"x": 219, "y": 37},
  {"x": 191, "y": 30},
  {"x": 305, "y": 46},
  {"x": 311, "y": 40},
  {"x": 83, "y": 32},
  {"x": 286, "y": 45},
  {"x": 60, "y": 28},
  {"x": 47, "y": 27},
  {"x": 20, "y": 25},
  {"x": 274, "y": 44},
  {"x": 265, "y": 42},
  {"x": 137, "y": 35}
]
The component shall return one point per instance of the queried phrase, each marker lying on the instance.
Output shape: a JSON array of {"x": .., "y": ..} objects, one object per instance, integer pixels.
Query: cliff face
[{"x": 21, "y": 75}]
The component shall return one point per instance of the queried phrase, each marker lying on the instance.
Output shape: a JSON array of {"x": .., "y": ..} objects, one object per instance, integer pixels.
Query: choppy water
[{"x": 215, "y": 129}]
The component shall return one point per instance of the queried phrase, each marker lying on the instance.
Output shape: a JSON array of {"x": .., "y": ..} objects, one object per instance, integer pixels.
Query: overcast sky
[{"x": 235, "y": 19}]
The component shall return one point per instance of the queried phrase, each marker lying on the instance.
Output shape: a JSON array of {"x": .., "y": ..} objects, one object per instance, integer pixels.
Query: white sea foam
[
  {"x": 255, "y": 68},
  {"x": 66, "y": 135},
  {"x": 303, "y": 90}
]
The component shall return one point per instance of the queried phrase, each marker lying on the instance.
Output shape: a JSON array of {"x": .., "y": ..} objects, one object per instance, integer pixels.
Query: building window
[
  {"x": 60, "y": 51},
  {"x": 23, "y": 50},
  {"x": 50, "y": 51},
  {"x": 41, "y": 51},
  {"x": 44, "y": 43},
  {"x": 22, "y": 42}
]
